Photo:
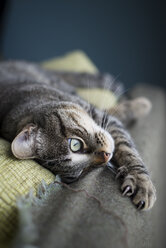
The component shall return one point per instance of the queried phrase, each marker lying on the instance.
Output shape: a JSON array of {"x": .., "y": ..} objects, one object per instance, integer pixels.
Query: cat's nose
[
  {"x": 106, "y": 156},
  {"x": 102, "y": 157}
]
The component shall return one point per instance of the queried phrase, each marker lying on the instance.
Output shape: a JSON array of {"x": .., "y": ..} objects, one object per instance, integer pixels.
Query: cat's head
[{"x": 65, "y": 139}]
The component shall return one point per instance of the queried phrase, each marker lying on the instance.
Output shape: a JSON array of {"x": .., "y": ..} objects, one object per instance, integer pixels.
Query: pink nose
[
  {"x": 106, "y": 156},
  {"x": 103, "y": 157}
]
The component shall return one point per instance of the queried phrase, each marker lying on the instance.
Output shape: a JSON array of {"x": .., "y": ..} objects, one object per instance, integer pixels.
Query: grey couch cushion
[{"x": 62, "y": 218}]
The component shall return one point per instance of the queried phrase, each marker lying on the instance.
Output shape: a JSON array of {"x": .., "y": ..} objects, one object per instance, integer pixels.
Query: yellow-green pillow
[
  {"x": 76, "y": 61},
  {"x": 17, "y": 177}
]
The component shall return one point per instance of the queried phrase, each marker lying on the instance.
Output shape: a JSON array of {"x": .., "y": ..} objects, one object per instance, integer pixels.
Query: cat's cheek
[{"x": 79, "y": 157}]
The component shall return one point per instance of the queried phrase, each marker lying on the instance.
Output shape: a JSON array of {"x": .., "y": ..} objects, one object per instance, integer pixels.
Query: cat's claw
[
  {"x": 140, "y": 205},
  {"x": 141, "y": 190},
  {"x": 138, "y": 186},
  {"x": 127, "y": 191}
]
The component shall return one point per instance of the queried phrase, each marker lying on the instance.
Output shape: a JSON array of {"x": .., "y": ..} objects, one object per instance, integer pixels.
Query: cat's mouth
[{"x": 100, "y": 158}]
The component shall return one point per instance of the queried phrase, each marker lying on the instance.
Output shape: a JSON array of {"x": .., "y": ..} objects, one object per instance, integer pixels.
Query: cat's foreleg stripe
[
  {"x": 118, "y": 137},
  {"x": 140, "y": 171},
  {"x": 117, "y": 125},
  {"x": 124, "y": 143},
  {"x": 132, "y": 171},
  {"x": 138, "y": 167},
  {"x": 115, "y": 132},
  {"x": 125, "y": 157}
]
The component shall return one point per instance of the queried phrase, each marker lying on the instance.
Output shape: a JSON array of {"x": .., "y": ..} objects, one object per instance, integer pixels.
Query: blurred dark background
[{"x": 125, "y": 38}]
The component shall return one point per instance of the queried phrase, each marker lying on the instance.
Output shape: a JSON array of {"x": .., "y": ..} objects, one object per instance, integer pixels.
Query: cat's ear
[{"x": 23, "y": 144}]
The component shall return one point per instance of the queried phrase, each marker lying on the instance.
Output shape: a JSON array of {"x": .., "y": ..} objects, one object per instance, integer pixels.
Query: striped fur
[{"x": 40, "y": 112}]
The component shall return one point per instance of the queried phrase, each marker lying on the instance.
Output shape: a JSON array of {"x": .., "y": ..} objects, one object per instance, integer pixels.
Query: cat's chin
[{"x": 69, "y": 179}]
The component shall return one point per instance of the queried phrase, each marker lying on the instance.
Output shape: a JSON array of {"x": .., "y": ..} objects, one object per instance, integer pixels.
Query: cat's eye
[{"x": 76, "y": 145}]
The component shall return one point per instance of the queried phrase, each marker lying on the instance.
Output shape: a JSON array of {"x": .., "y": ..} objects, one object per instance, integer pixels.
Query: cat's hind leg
[{"x": 129, "y": 111}]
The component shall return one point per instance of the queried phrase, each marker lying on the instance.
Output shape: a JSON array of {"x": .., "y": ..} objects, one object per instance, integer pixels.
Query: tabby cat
[{"x": 45, "y": 119}]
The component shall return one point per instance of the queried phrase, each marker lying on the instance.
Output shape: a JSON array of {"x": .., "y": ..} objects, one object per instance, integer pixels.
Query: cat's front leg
[{"x": 135, "y": 180}]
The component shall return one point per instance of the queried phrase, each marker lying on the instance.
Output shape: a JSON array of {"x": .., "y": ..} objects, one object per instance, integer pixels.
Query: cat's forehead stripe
[
  {"x": 77, "y": 108},
  {"x": 80, "y": 118},
  {"x": 78, "y": 124},
  {"x": 81, "y": 124}
]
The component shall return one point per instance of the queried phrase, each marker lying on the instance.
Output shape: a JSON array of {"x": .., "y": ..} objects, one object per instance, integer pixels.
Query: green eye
[{"x": 75, "y": 145}]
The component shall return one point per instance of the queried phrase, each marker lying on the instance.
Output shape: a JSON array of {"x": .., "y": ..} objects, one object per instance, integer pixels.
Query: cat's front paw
[{"x": 140, "y": 188}]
